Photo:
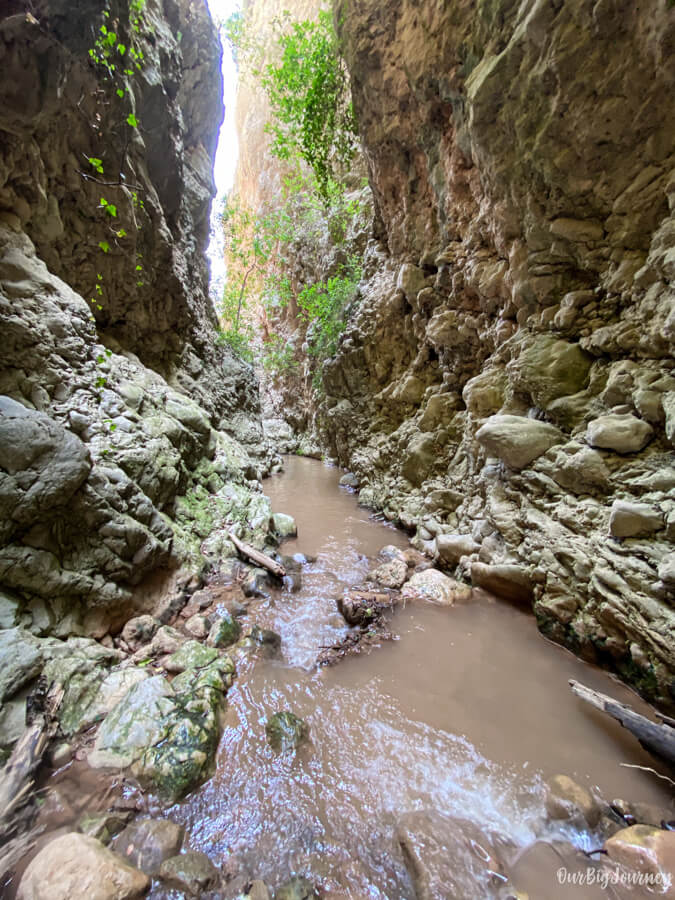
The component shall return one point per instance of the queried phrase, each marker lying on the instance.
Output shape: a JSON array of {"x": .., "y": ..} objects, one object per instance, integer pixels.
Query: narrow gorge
[{"x": 289, "y": 576}]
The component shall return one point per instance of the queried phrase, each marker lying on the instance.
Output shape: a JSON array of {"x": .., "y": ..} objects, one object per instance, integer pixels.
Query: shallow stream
[{"x": 467, "y": 714}]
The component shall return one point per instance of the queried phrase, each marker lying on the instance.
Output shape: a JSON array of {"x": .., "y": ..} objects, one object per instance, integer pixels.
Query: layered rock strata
[
  {"x": 130, "y": 440},
  {"x": 507, "y": 381}
]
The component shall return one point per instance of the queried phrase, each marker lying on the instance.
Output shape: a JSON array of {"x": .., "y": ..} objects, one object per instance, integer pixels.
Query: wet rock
[
  {"x": 391, "y": 574},
  {"x": 517, "y": 440},
  {"x": 349, "y": 480},
  {"x": 566, "y": 800},
  {"x": 452, "y": 547},
  {"x": 166, "y": 734},
  {"x": 82, "y": 668},
  {"x": 224, "y": 631},
  {"x": 648, "y": 850},
  {"x": 104, "y": 826},
  {"x": 75, "y": 865},
  {"x": 285, "y": 731},
  {"x": 191, "y": 655},
  {"x": 435, "y": 587},
  {"x": 448, "y": 857},
  {"x": 191, "y": 872},
  {"x": 297, "y": 888},
  {"x": 258, "y": 891},
  {"x": 621, "y": 433},
  {"x": 167, "y": 641},
  {"x": 642, "y": 813},
  {"x": 197, "y": 626},
  {"x": 20, "y": 660},
  {"x": 389, "y": 553},
  {"x": 139, "y": 630},
  {"x": 363, "y": 607},
  {"x": 256, "y": 583},
  {"x": 508, "y": 581},
  {"x": 283, "y": 525},
  {"x": 146, "y": 843},
  {"x": 631, "y": 519},
  {"x": 269, "y": 641}
]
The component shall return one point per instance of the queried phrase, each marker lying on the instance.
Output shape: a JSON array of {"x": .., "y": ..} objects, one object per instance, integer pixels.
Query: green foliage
[
  {"x": 324, "y": 306},
  {"x": 310, "y": 100},
  {"x": 239, "y": 340},
  {"x": 279, "y": 356}
]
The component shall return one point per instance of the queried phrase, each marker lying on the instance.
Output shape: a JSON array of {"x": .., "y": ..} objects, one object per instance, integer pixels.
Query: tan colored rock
[
  {"x": 435, "y": 587},
  {"x": 505, "y": 580},
  {"x": 621, "y": 433},
  {"x": 517, "y": 440},
  {"x": 649, "y": 851},
  {"x": 77, "y": 867},
  {"x": 452, "y": 547},
  {"x": 567, "y": 799},
  {"x": 630, "y": 519},
  {"x": 391, "y": 574}
]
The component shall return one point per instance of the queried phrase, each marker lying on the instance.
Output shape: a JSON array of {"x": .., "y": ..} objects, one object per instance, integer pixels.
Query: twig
[{"x": 648, "y": 769}]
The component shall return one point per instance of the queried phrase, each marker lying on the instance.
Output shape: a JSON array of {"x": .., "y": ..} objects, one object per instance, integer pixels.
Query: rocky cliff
[
  {"x": 127, "y": 434},
  {"x": 506, "y": 386}
]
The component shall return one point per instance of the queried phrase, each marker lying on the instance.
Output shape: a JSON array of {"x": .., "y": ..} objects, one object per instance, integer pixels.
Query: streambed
[{"x": 467, "y": 715}]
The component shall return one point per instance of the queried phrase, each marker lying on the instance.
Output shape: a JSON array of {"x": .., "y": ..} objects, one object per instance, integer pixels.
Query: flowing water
[{"x": 467, "y": 713}]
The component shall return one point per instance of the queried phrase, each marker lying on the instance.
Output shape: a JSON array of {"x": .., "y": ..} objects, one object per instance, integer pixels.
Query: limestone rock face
[
  {"x": 520, "y": 273},
  {"x": 517, "y": 441},
  {"x": 127, "y": 433}
]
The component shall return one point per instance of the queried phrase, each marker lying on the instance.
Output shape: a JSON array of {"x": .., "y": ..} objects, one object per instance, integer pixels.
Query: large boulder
[
  {"x": 452, "y": 547},
  {"x": 649, "y": 851},
  {"x": 166, "y": 734},
  {"x": 447, "y": 857},
  {"x": 622, "y": 433},
  {"x": 631, "y": 519},
  {"x": 75, "y": 865},
  {"x": 517, "y": 440},
  {"x": 41, "y": 466},
  {"x": 505, "y": 580},
  {"x": 20, "y": 660}
]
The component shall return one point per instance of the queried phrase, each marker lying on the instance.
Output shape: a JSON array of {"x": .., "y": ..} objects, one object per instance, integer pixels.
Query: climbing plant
[{"x": 117, "y": 60}]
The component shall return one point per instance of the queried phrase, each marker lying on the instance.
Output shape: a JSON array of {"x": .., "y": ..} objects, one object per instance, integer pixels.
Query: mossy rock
[{"x": 286, "y": 731}]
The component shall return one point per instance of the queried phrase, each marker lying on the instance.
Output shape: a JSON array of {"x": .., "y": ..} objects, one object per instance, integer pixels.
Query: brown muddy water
[{"x": 467, "y": 713}]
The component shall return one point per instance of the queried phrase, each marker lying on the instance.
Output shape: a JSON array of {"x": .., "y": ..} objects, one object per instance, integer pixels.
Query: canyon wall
[
  {"x": 130, "y": 440},
  {"x": 506, "y": 386}
]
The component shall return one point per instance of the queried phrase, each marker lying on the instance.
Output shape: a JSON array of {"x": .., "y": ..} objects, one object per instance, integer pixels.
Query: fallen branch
[
  {"x": 16, "y": 779},
  {"x": 657, "y": 738},
  {"x": 261, "y": 559}
]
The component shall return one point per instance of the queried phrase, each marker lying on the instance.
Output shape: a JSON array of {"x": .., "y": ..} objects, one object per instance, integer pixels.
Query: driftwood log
[
  {"x": 16, "y": 779},
  {"x": 260, "y": 559},
  {"x": 656, "y": 737}
]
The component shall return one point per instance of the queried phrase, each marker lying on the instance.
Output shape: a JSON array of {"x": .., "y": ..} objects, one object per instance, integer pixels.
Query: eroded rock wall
[
  {"x": 506, "y": 386},
  {"x": 127, "y": 435}
]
